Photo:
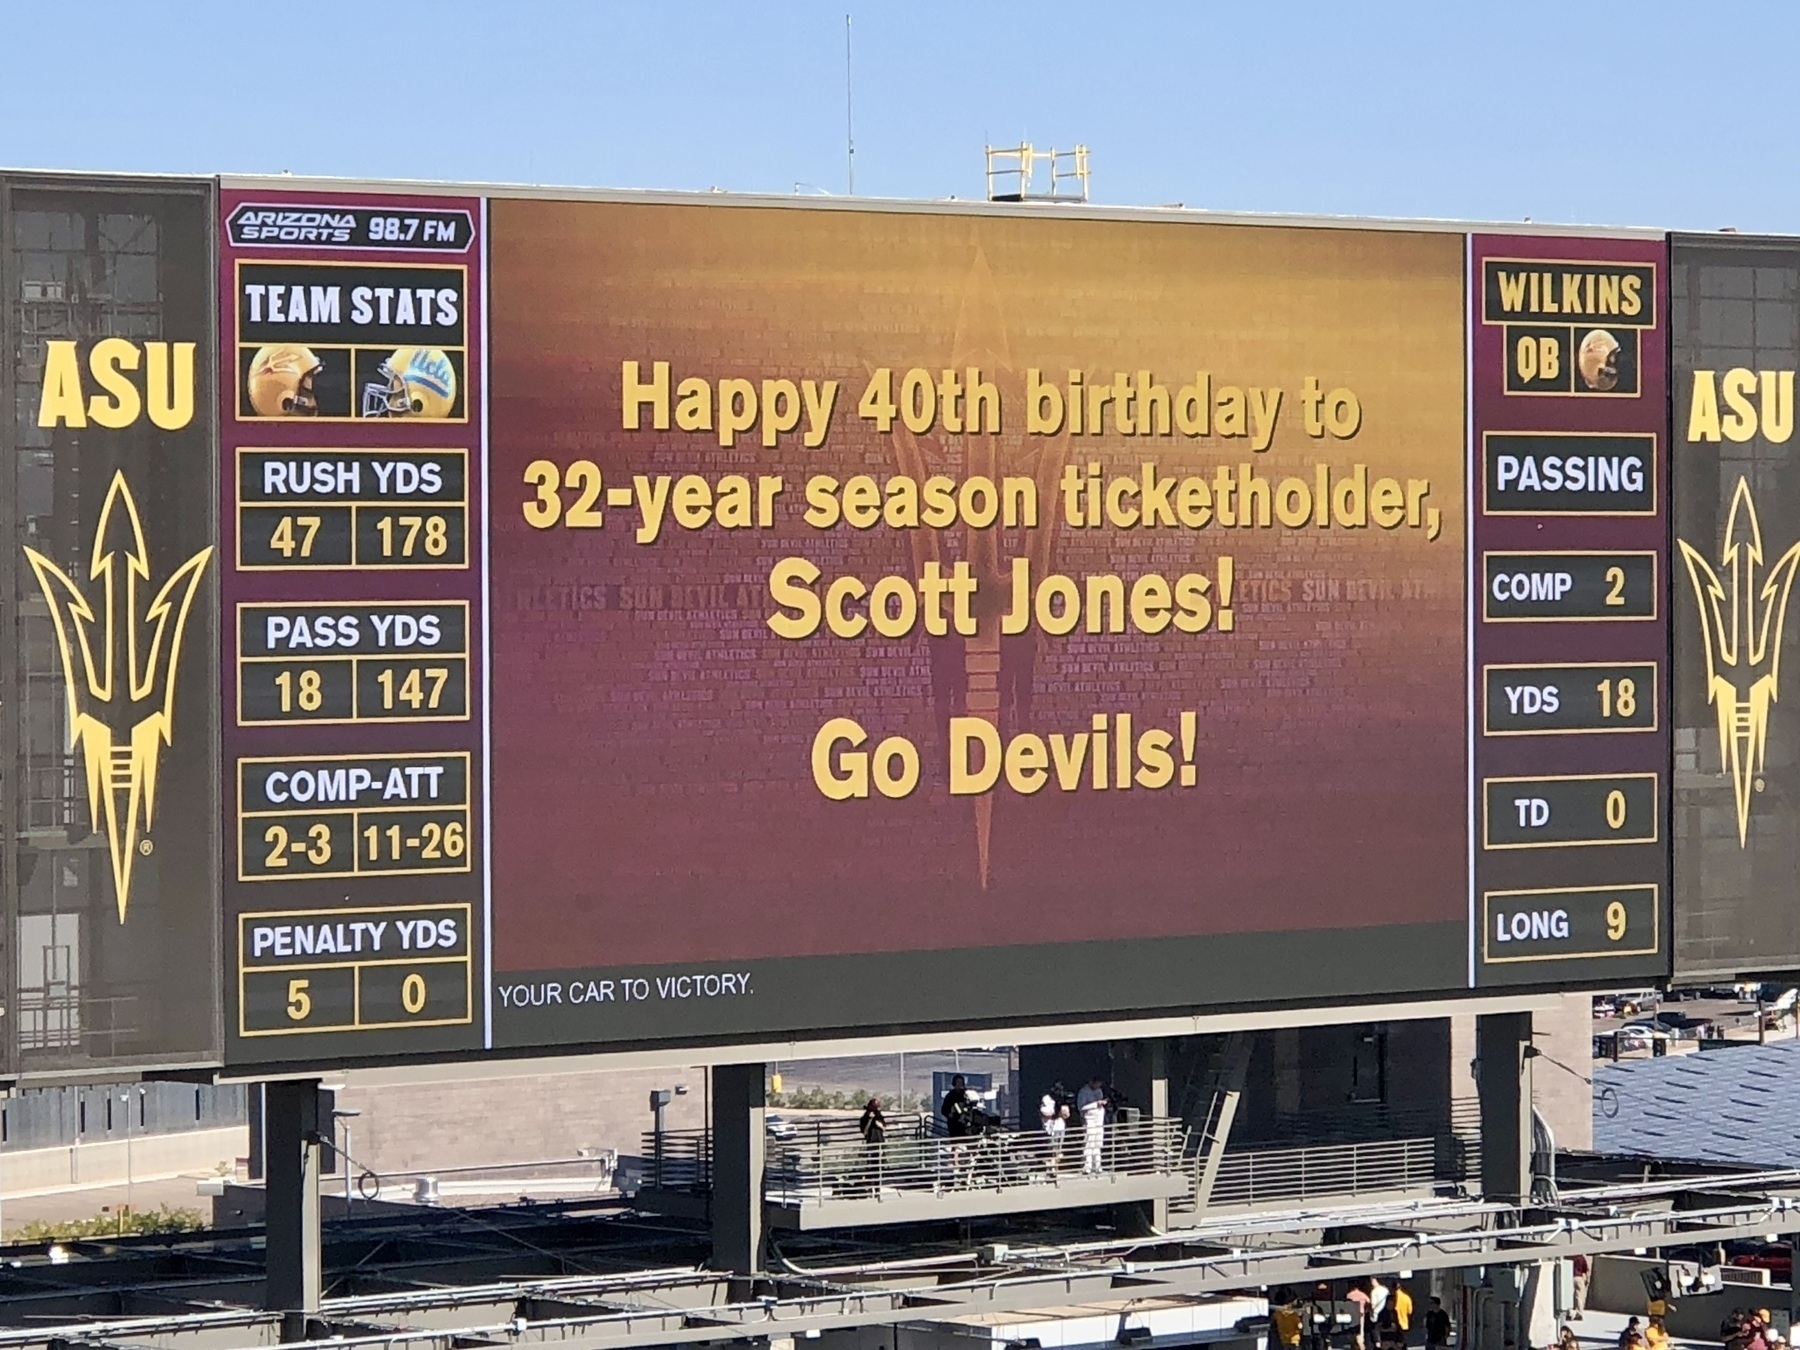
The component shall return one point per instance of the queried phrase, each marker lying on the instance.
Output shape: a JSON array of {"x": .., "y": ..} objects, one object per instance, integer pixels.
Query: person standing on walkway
[
  {"x": 1091, "y": 1102},
  {"x": 1285, "y": 1321},
  {"x": 1584, "y": 1272},
  {"x": 1437, "y": 1325},
  {"x": 1054, "y": 1117},
  {"x": 1403, "y": 1308},
  {"x": 873, "y": 1128}
]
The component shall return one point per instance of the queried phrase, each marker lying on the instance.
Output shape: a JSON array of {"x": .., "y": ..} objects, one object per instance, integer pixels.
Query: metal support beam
[
  {"x": 1503, "y": 1078},
  {"x": 737, "y": 1168},
  {"x": 1141, "y": 1072},
  {"x": 1221, "y": 1112},
  {"x": 291, "y": 1162}
]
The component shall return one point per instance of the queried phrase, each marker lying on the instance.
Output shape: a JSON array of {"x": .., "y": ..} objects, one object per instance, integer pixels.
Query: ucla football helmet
[
  {"x": 280, "y": 381},
  {"x": 415, "y": 382}
]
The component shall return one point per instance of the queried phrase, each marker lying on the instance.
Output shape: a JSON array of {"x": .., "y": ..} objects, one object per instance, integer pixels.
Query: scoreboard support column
[
  {"x": 1503, "y": 1055},
  {"x": 294, "y": 1279},
  {"x": 737, "y": 1168},
  {"x": 1141, "y": 1073}
]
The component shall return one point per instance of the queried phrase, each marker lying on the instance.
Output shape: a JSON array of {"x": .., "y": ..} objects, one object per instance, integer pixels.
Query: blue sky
[{"x": 1652, "y": 113}]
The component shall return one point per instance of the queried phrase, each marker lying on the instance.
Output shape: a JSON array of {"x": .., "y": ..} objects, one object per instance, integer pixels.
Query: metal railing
[
  {"x": 1267, "y": 1176},
  {"x": 825, "y": 1159},
  {"x": 813, "y": 1158},
  {"x": 812, "y": 1171},
  {"x": 678, "y": 1160}
]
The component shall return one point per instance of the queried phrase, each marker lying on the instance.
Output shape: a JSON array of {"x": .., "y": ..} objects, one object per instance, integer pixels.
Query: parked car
[
  {"x": 1641, "y": 1033},
  {"x": 1775, "y": 1257},
  {"x": 1679, "y": 1022}
]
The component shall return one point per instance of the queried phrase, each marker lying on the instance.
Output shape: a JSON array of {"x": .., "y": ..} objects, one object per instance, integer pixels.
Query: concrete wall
[
  {"x": 1618, "y": 1287},
  {"x": 114, "y": 1162},
  {"x": 481, "y": 1121},
  {"x": 1564, "y": 1039},
  {"x": 1564, "y": 1036}
]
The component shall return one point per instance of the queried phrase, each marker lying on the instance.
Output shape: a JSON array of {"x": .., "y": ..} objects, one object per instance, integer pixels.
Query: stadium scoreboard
[{"x": 650, "y": 621}]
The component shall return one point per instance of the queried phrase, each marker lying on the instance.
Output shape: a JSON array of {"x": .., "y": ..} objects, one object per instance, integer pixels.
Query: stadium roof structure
[{"x": 1737, "y": 1105}]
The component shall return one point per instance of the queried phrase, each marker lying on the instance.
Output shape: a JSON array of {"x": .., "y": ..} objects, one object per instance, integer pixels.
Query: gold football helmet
[
  {"x": 1598, "y": 360},
  {"x": 415, "y": 382},
  {"x": 280, "y": 382}
]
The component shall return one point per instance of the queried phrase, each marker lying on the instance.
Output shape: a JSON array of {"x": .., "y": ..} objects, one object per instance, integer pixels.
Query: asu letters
[{"x": 167, "y": 393}]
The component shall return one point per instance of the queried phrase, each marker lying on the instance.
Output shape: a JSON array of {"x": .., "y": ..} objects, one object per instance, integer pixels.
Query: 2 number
[{"x": 1615, "y": 581}]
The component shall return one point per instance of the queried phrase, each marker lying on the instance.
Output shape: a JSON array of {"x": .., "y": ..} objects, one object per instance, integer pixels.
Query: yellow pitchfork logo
[
  {"x": 119, "y": 667},
  {"x": 1743, "y": 641}
]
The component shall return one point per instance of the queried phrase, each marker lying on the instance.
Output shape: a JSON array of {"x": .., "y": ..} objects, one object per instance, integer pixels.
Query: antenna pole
[{"x": 849, "y": 116}]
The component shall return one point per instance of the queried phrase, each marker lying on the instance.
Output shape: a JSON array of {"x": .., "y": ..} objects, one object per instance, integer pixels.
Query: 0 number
[
  {"x": 1615, "y": 810},
  {"x": 412, "y": 994}
]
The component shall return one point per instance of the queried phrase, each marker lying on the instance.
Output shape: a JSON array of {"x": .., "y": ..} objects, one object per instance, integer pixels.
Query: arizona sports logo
[{"x": 278, "y": 225}]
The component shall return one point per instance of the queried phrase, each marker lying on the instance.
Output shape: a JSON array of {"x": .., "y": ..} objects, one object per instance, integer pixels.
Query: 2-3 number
[{"x": 316, "y": 848}]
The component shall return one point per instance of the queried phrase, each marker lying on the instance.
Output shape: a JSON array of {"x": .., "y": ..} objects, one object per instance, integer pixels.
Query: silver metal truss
[{"x": 683, "y": 1305}]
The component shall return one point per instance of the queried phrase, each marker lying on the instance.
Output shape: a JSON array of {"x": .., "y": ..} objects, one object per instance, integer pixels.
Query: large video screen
[
  {"x": 1736, "y": 304},
  {"x": 108, "y": 703},
  {"x": 694, "y": 622}
]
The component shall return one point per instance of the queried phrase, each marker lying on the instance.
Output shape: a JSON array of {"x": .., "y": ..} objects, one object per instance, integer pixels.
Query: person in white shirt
[
  {"x": 1055, "y": 1119},
  {"x": 1091, "y": 1102}
]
